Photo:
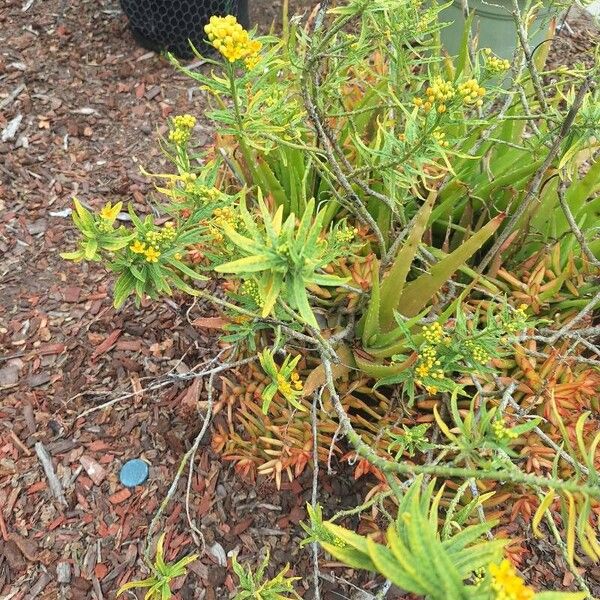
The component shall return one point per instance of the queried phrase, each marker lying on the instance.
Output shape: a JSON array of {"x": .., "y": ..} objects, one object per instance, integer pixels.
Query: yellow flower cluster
[
  {"x": 226, "y": 216},
  {"x": 289, "y": 388},
  {"x": 439, "y": 136},
  {"x": 434, "y": 333},
  {"x": 110, "y": 212},
  {"x": 495, "y": 64},
  {"x": 184, "y": 121},
  {"x": 189, "y": 182},
  {"x": 232, "y": 40},
  {"x": 501, "y": 431},
  {"x": 345, "y": 235},
  {"x": 507, "y": 585},
  {"x": 107, "y": 215},
  {"x": 519, "y": 320},
  {"x": 221, "y": 217},
  {"x": 209, "y": 193},
  {"x": 438, "y": 93},
  {"x": 425, "y": 21},
  {"x": 161, "y": 237},
  {"x": 250, "y": 288},
  {"x": 480, "y": 355},
  {"x": 471, "y": 92},
  {"x": 182, "y": 129},
  {"x": 153, "y": 241},
  {"x": 429, "y": 363},
  {"x": 151, "y": 253}
]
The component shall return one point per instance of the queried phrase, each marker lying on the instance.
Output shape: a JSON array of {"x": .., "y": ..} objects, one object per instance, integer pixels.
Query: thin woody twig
[
  {"x": 187, "y": 457},
  {"x": 53, "y": 481},
  {"x": 578, "y": 318},
  {"x": 536, "y": 183},
  {"x": 404, "y": 468},
  {"x": 562, "y": 186},
  {"x": 314, "y": 496},
  {"x": 535, "y": 76},
  {"x": 169, "y": 381}
]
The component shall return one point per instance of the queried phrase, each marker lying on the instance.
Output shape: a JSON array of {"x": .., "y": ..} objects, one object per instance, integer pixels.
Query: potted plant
[
  {"x": 494, "y": 24},
  {"x": 170, "y": 25}
]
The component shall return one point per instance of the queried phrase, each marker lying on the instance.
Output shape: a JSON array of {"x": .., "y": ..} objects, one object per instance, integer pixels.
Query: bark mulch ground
[{"x": 80, "y": 109}]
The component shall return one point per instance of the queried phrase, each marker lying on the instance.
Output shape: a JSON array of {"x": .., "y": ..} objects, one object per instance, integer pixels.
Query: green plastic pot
[{"x": 494, "y": 24}]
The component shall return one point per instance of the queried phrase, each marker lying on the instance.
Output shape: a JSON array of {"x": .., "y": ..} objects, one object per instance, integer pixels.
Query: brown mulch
[{"x": 88, "y": 104}]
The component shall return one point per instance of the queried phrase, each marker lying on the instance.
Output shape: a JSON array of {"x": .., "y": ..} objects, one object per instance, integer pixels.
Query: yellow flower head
[
  {"x": 184, "y": 122},
  {"x": 284, "y": 386},
  {"x": 109, "y": 212},
  {"x": 471, "y": 92},
  {"x": 152, "y": 255},
  {"x": 138, "y": 247},
  {"x": 232, "y": 40},
  {"x": 182, "y": 129},
  {"x": 507, "y": 584}
]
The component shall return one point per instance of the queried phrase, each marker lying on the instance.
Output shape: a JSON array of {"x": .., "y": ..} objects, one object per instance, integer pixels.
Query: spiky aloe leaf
[
  {"x": 419, "y": 292},
  {"x": 393, "y": 283}
]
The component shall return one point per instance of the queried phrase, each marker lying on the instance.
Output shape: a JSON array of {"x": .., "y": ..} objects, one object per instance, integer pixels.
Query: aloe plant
[{"x": 381, "y": 336}]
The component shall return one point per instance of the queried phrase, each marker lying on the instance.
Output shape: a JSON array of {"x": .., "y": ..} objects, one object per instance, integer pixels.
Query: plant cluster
[{"x": 407, "y": 244}]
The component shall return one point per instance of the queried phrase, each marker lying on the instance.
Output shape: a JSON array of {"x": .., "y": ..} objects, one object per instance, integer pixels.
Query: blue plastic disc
[{"x": 134, "y": 472}]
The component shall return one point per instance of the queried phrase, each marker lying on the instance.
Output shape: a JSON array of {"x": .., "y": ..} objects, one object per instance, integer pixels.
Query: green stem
[{"x": 445, "y": 472}]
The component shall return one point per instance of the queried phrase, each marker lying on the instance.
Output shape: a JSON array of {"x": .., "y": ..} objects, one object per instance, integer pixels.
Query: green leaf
[
  {"x": 130, "y": 585},
  {"x": 392, "y": 285},
  {"x": 185, "y": 269},
  {"x": 328, "y": 280},
  {"x": 85, "y": 216},
  {"x": 76, "y": 256},
  {"x": 246, "y": 244},
  {"x": 270, "y": 292},
  {"x": 351, "y": 557},
  {"x": 412, "y": 574},
  {"x": 371, "y": 324},
  {"x": 267, "y": 396},
  {"x": 90, "y": 249},
  {"x": 420, "y": 291},
  {"x": 124, "y": 285},
  {"x": 378, "y": 370},
  {"x": 301, "y": 301},
  {"x": 248, "y": 264}
]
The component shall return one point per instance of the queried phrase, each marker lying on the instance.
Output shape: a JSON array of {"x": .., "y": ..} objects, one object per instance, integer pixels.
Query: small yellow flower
[
  {"x": 152, "y": 255},
  {"x": 109, "y": 212},
  {"x": 138, "y": 247},
  {"x": 507, "y": 584},
  {"x": 178, "y": 255}
]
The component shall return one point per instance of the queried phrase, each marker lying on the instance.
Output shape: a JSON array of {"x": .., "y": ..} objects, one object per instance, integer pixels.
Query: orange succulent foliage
[
  {"x": 525, "y": 506},
  {"x": 538, "y": 456},
  {"x": 541, "y": 280}
]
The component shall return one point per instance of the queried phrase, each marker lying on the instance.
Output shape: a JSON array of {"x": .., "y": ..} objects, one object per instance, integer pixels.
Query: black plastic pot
[{"x": 170, "y": 25}]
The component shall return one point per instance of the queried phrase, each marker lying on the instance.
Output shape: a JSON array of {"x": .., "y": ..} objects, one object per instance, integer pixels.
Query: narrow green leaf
[
  {"x": 371, "y": 324},
  {"x": 420, "y": 291},
  {"x": 248, "y": 264},
  {"x": 124, "y": 285},
  {"x": 392, "y": 285}
]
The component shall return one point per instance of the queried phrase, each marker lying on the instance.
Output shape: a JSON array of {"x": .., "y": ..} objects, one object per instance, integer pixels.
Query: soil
[{"x": 85, "y": 105}]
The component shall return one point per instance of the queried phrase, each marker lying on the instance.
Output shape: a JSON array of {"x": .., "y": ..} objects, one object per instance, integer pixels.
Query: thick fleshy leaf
[
  {"x": 392, "y": 285},
  {"x": 420, "y": 291}
]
